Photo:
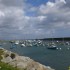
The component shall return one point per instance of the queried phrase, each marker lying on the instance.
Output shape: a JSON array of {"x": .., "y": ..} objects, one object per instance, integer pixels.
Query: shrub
[{"x": 12, "y": 55}]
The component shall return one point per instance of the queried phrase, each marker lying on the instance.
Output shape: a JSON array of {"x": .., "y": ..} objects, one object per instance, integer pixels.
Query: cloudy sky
[{"x": 29, "y": 19}]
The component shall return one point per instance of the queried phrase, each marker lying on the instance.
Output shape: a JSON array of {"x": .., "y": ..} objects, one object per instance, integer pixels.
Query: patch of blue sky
[{"x": 36, "y": 2}]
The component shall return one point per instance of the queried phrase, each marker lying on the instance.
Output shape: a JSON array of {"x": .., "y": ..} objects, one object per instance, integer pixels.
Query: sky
[{"x": 32, "y": 19}]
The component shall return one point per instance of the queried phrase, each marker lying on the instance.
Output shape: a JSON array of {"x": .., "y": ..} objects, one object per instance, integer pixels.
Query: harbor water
[{"x": 58, "y": 59}]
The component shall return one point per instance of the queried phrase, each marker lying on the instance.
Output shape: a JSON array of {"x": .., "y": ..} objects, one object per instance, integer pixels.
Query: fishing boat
[
  {"x": 52, "y": 47},
  {"x": 16, "y": 42},
  {"x": 23, "y": 45}
]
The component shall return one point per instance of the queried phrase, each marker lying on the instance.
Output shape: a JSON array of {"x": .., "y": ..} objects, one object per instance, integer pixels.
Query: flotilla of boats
[
  {"x": 38, "y": 43},
  {"x": 53, "y": 45}
]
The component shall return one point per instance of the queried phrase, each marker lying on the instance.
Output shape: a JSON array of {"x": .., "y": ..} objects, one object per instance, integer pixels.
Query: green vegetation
[
  {"x": 5, "y": 66},
  {"x": 69, "y": 68},
  {"x": 12, "y": 55},
  {"x": 25, "y": 68},
  {"x": 1, "y": 53}
]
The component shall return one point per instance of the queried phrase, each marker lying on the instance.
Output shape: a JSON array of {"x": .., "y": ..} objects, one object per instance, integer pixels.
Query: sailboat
[{"x": 52, "y": 45}]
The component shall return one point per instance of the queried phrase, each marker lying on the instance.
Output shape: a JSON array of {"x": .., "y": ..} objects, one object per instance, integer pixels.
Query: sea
[{"x": 57, "y": 59}]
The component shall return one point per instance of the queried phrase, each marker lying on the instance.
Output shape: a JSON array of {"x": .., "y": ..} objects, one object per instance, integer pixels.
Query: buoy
[
  {"x": 57, "y": 48},
  {"x": 60, "y": 48},
  {"x": 68, "y": 48}
]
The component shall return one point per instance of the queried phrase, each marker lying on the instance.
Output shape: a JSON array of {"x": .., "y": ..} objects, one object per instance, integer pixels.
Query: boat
[
  {"x": 23, "y": 45},
  {"x": 67, "y": 43},
  {"x": 16, "y": 42},
  {"x": 52, "y": 47}
]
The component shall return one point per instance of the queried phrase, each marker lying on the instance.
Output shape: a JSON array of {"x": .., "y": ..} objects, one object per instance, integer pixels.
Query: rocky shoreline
[{"x": 22, "y": 62}]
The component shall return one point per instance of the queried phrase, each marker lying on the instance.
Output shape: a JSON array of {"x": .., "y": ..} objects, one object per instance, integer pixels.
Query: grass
[
  {"x": 69, "y": 68},
  {"x": 1, "y": 53},
  {"x": 5, "y": 66}
]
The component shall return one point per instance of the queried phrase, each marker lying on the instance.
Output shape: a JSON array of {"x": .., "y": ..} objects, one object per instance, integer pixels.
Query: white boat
[
  {"x": 16, "y": 42},
  {"x": 67, "y": 43},
  {"x": 53, "y": 47},
  {"x": 23, "y": 45}
]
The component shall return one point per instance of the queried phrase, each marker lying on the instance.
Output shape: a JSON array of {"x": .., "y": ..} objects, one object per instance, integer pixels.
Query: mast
[
  {"x": 63, "y": 41},
  {"x": 52, "y": 35}
]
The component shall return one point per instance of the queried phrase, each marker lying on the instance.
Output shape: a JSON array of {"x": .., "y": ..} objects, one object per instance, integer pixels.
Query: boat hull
[{"x": 52, "y": 48}]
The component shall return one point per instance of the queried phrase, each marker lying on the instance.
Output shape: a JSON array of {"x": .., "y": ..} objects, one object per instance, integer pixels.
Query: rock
[{"x": 23, "y": 62}]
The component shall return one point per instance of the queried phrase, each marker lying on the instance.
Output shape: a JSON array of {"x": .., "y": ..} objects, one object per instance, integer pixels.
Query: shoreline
[{"x": 22, "y": 62}]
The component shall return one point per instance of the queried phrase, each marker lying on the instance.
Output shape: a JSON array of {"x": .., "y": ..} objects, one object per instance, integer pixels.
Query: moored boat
[{"x": 53, "y": 47}]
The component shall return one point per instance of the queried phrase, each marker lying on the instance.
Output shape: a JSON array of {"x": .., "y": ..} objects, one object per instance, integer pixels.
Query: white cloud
[
  {"x": 15, "y": 22},
  {"x": 58, "y": 15},
  {"x": 50, "y": 4},
  {"x": 45, "y": 8},
  {"x": 68, "y": 23},
  {"x": 58, "y": 1},
  {"x": 2, "y": 14},
  {"x": 41, "y": 18},
  {"x": 52, "y": 7}
]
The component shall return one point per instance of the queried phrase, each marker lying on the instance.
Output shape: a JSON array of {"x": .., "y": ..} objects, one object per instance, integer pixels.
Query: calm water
[{"x": 57, "y": 59}]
